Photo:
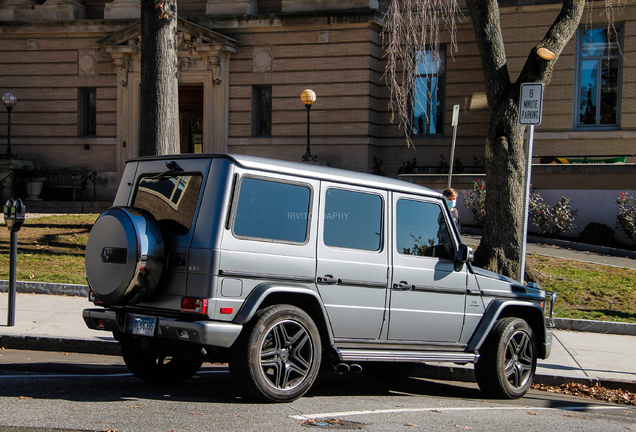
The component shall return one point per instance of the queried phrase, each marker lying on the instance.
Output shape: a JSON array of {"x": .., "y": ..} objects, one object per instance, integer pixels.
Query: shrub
[
  {"x": 476, "y": 202},
  {"x": 377, "y": 167},
  {"x": 626, "y": 217},
  {"x": 598, "y": 234},
  {"x": 408, "y": 167},
  {"x": 552, "y": 221}
]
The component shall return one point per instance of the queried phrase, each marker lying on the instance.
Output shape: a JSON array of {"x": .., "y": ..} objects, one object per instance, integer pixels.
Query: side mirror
[{"x": 465, "y": 254}]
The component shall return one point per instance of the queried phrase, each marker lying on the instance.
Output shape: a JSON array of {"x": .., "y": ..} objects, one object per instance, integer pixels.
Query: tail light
[
  {"x": 194, "y": 305},
  {"x": 92, "y": 298}
]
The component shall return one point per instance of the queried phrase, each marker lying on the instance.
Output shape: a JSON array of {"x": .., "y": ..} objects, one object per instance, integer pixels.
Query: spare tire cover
[{"x": 124, "y": 256}]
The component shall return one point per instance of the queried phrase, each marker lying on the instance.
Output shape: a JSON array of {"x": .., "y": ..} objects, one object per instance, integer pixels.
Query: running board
[{"x": 407, "y": 356}]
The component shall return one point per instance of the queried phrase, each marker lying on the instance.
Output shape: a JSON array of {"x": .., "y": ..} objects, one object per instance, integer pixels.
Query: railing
[{"x": 4, "y": 179}]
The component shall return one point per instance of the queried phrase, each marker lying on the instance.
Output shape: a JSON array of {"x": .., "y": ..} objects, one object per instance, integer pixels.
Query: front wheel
[
  {"x": 158, "y": 368},
  {"x": 508, "y": 360},
  {"x": 277, "y": 357}
]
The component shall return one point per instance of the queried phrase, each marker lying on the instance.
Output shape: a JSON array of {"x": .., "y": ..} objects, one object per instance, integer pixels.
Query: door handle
[
  {"x": 328, "y": 279},
  {"x": 403, "y": 285}
]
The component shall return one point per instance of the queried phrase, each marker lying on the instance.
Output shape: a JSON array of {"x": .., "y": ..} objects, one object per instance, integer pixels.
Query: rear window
[
  {"x": 272, "y": 211},
  {"x": 171, "y": 200}
]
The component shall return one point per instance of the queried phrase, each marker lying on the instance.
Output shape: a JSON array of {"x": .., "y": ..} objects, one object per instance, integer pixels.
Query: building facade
[{"x": 74, "y": 67}]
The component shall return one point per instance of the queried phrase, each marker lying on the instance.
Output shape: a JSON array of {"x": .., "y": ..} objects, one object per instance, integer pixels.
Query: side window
[
  {"x": 273, "y": 211},
  {"x": 353, "y": 220},
  {"x": 422, "y": 230}
]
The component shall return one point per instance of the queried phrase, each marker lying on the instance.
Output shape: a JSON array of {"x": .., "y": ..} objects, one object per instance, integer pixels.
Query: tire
[
  {"x": 277, "y": 356},
  {"x": 124, "y": 256},
  {"x": 508, "y": 360},
  {"x": 158, "y": 368}
]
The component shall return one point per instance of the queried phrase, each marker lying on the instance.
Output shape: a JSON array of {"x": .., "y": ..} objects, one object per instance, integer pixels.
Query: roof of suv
[{"x": 304, "y": 170}]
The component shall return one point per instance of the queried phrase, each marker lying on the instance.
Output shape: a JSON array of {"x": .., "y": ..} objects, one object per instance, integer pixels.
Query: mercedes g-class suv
[{"x": 276, "y": 267}]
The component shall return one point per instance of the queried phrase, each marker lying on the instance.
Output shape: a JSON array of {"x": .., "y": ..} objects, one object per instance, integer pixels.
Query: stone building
[{"x": 74, "y": 67}]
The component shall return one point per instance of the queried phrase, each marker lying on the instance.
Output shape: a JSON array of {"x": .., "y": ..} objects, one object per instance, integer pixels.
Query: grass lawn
[{"x": 51, "y": 249}]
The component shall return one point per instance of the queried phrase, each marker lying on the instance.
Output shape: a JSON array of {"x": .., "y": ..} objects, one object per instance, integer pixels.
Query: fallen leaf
[
  {"x": 436, "y": 411},
  {"x": 196, "y": 413},
  {"x": 410, "y": 424},
  {"x": 532, "y": 413},
  {"x": 26, "y": 397},
  {"x": 136, "y": 406}
]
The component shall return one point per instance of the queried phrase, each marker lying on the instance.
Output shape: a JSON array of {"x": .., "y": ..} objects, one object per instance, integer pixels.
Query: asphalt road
[{"x": 79, "y": 392}]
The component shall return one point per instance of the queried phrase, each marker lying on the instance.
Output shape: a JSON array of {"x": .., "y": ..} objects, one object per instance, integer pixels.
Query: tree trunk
[
  {"x": 159, "y": 117},
  {"x": 500, "y": 245}
]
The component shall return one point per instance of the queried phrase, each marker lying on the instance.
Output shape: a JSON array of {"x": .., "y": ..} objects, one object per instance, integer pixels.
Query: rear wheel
[
  {"x": 508, "y": 360},
  {"x": 277, "y": 357},
  {"x": 159, "y": 368}
]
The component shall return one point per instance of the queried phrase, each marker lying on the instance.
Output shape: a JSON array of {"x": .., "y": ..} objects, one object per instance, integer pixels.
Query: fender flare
[
  {"x": 494, "y": 311},
  {"x": 261, "y": 292}
]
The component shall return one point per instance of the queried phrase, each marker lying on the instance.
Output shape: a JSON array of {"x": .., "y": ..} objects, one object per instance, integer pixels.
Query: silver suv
[{"x": 277, "y": 267}]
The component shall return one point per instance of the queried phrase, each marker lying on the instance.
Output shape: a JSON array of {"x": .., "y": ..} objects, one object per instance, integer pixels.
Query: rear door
[
  {"x": 427, "y": 293},
  {"x": 352, "y": 259}
]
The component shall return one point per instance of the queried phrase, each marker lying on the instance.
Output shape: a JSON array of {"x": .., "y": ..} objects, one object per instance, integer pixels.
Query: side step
[{"x": 407, "y": 356}]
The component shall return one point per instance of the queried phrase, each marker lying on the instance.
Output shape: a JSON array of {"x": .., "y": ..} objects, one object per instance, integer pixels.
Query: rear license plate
[{"x": 144, "y": 326}]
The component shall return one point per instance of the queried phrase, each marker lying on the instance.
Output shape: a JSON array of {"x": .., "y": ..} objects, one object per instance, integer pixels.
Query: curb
[
  {"x": 40, "y": 343},
  {"x": 581, "y": 247},
  {"x": 46, "y": 288},
  {"x": 463, "y": 374}
]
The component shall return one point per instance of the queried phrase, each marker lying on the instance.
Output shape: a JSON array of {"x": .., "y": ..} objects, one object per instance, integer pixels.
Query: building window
[
  {"x": 428, "y": 109},
  {"x": 87, "y": 111},
  {"x": 262, "y": 111},
  {"x": 598, "y": 78}
]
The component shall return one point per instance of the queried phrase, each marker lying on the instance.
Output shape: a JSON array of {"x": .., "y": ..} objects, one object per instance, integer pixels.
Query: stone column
[
  {"x": 121, "y": 55},
  {"x": 325, "y": 5},
  {"x": 60, "y": 10},
  {"x": 122, "y": 9},
  {"x": 231, "y": 7},
  {"x": 16, "y": 10}
]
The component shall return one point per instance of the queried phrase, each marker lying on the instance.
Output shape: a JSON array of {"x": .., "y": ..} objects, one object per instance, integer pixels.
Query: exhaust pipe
[
  {"x": 341, "y": 368},
  {"x": 355, "y": 368}
]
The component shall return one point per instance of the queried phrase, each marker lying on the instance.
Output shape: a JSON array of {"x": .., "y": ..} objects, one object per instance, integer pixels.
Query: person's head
[{"x": 451, "y": 197}]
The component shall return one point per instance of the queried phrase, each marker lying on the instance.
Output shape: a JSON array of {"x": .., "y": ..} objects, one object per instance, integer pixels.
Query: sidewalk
[{"x": 54, "y": 323}]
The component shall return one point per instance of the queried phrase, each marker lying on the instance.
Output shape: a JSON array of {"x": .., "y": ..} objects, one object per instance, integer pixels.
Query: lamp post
[
  {"x": 9, "y": 101},
  {"x": 308, "y": 97}
]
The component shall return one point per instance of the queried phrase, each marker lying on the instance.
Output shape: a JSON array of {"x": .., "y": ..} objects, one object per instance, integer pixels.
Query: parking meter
[
  {"x": 14, "y": 212},
  {"x": 14, "y": 215}
]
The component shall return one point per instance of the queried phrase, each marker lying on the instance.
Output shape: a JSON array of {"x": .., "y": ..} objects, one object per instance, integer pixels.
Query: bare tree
[
  {"x": 159, "y": 118},
  {"x": 411, "y": 26}
]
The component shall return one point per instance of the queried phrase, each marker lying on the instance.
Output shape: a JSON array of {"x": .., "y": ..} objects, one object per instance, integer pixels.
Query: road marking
[{"x": 438, "y": 409}]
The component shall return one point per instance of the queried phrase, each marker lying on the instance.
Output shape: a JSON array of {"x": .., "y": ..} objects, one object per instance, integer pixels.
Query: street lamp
[
  {"x": 308, "y": 97},
  {"x": 9, "y": 101}
]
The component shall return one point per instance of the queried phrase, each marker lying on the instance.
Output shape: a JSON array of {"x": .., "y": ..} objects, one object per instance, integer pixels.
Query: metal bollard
[{"x": 14, "y": 212}]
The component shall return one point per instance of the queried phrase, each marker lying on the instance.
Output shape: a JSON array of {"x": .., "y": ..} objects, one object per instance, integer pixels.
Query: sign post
[
  {"x": 454, "y": 122},
  {"x": 530, "y": 110},
  {"x": 14, "y": 212}
]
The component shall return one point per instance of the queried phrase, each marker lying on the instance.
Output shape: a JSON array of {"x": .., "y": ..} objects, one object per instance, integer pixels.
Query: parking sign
[{"x": 530, "y": 103}]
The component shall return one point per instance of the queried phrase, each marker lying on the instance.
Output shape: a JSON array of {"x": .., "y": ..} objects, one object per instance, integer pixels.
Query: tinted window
[
  {"x": 422, "y": 230},
  {"x": 353, "y": 220},
  {"x": 171, "y": 200},
  {"x": 272, "y": 211}
]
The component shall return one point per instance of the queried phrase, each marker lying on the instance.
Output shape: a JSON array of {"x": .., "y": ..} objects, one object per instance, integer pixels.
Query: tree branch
[
  {"x": 538, "y": 69},
  {"x": 485, "y": 16}
]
